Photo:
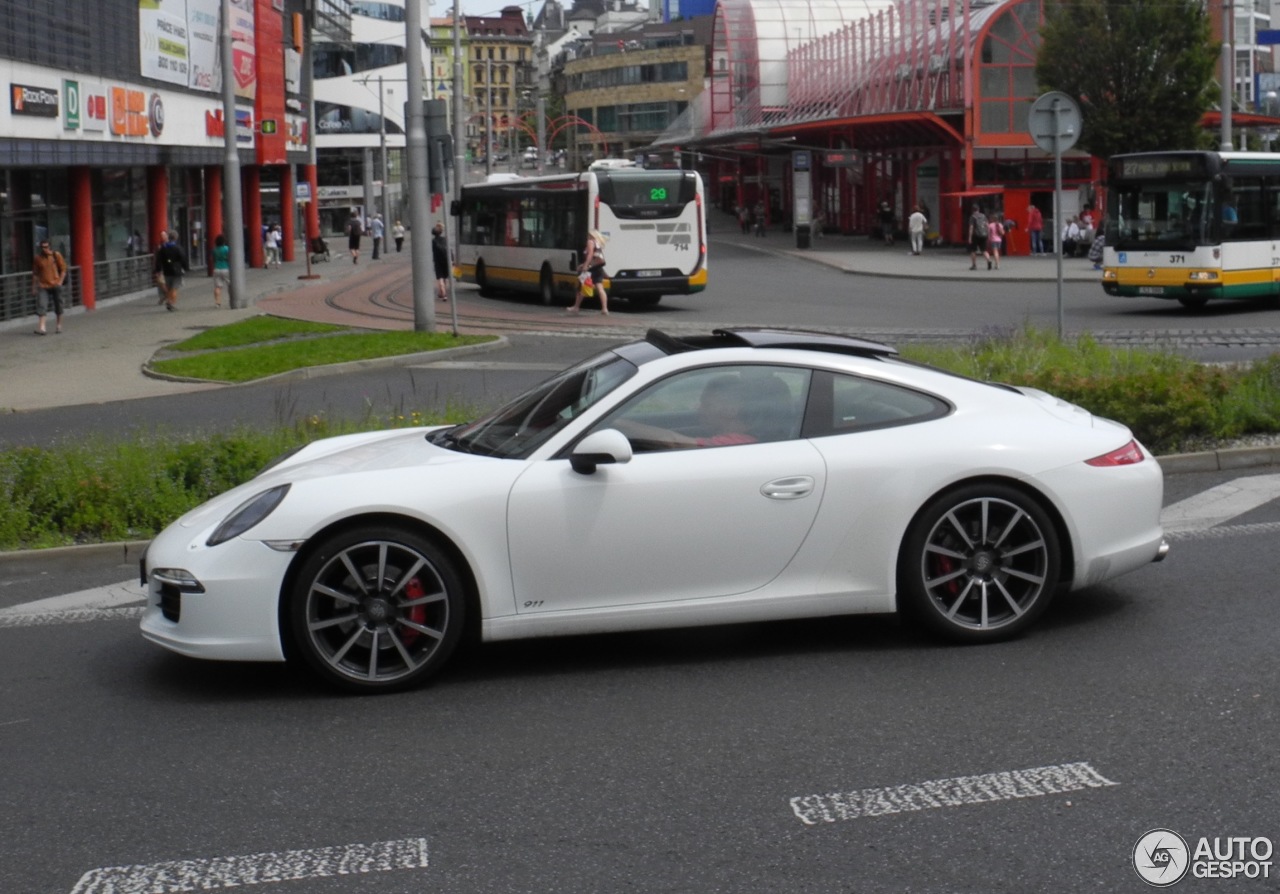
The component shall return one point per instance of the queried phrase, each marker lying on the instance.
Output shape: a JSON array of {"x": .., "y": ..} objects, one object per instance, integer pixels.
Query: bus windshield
[{"x": 1162, "y": 215}]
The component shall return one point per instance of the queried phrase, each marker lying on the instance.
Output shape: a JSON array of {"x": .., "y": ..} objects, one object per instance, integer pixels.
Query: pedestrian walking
[
  {"x": 377, "y": 230},
  {"x": 995, "y": 239},
  {"x": 1035, "y": 229},
  {"x": 355, "y": 229},
  {"x": 171, "y": 264},
  {"x": 887, "y": 222},
  {"x": 221, "y": 269},
  {"x": 272, "y": 241},
  {"x": 592, "y": 270},
  {"x": 759, "y": 219},
  {"x": 440, "y": 261},
  {"x": 397, "y": 233},
  {"x": 48, "y": 273},
  {"x": 978, "y": 238},
  {"x": 915, "y": 229}
]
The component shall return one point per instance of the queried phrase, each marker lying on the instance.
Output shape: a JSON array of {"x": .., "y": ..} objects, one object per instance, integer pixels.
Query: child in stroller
[{"x": 319, "y": 250}]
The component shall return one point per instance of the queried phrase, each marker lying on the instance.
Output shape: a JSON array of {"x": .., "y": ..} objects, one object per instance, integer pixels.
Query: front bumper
[{"x": 224, "y": 605}]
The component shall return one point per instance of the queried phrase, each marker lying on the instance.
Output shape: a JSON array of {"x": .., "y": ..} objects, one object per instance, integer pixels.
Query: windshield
[
  {"x": 1161, "y": 215},
  {"x": 526, "y": 423}
]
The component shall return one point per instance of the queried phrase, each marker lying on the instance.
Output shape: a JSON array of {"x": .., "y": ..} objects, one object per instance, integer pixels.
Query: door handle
[{"x": 792, "y": 488}]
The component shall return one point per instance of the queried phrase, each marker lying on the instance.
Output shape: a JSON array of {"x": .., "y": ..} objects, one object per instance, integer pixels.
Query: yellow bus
[
  {"x": 527, "y": 234},
  {"x": 1191, "y": 226}
]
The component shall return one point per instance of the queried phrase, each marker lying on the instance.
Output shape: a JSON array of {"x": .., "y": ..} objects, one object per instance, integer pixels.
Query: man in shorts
[{"x": 978, "y": 238}]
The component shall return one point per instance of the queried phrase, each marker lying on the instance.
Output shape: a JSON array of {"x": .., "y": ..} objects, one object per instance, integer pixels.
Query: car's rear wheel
[
  {"x": 377, "y": 608},
  {"x": 482, "y": 280},
  {"x": 546, "y": 286},
  {"x": 979, "y": 564}
]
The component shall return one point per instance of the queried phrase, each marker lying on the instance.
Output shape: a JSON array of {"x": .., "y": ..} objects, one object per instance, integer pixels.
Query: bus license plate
[
  {"x": 648, "y": 273},
  {"x": 1150, "y": 290}
]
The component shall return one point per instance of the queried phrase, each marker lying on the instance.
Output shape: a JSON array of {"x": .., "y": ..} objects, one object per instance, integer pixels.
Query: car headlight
[{"x": 248, "y": 514}]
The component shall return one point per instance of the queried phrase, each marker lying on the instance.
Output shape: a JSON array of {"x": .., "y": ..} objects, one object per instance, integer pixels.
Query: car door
[{"x": 716, "y": 518}]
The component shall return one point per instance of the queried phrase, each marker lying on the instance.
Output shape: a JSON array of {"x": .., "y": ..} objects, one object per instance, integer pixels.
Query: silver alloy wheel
[
  {"x": 377, "y": 613},
  {"x": 986, "y": 563}
]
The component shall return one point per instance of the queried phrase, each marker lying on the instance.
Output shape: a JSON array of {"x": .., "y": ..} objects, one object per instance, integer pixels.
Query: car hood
[{"x": 332, "y": 457}]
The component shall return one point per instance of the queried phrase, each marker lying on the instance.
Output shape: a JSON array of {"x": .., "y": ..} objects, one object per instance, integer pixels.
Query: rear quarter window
[{"x": 841, "y": 404}]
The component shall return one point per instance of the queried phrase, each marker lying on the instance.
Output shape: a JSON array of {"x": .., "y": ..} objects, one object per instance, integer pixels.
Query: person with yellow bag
[{"x": 591, "y": 274}]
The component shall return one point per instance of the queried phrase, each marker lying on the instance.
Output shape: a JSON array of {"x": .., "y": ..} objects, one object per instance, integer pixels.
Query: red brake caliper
[{"x": 417, "y": 613}]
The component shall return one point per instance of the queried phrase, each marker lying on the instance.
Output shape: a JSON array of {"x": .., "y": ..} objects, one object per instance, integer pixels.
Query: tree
[{"x": 1142, "y": 70}]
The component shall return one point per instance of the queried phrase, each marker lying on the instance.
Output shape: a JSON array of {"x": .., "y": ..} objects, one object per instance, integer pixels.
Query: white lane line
[
  {"x": 114, "y": 602},
  {"x": 954, "y": 792},
  {"x": 255, "y": 869},
  {"x": 126, "y": 592},
  {"x": 1220, "y": 504}
]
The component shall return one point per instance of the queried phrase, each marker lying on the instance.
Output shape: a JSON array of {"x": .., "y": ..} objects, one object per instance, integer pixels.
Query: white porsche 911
[{"x": 747, "y": 475}]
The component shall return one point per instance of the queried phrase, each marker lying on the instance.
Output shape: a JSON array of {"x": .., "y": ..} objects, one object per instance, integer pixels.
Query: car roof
[{"x": 761, "y": 337}]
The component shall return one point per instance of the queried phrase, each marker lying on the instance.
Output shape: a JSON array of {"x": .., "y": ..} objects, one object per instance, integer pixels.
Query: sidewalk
[
  {"x": 871, "y": 257},
  {"x": 100, "y": 355}
]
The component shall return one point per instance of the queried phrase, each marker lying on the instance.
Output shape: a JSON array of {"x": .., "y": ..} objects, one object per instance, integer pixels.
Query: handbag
[{"x": 585, "y": 284}]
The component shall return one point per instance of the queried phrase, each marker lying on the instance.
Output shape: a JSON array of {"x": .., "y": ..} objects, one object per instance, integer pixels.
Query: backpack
[{"x": 979, "y": 223}]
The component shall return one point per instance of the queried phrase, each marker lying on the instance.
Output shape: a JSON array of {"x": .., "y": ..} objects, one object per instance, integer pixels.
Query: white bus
[{"x": 528, "y": 233}]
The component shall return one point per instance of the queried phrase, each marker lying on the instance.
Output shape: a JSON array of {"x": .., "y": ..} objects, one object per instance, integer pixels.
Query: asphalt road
[{"x": 671, "y": 762}]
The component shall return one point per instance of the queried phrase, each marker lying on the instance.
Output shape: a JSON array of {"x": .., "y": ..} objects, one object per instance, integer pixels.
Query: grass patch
[
  {"x": 96, "y": 489},
  {"x": 249, "y": 363},
  {"x": 252, "y": 331}
]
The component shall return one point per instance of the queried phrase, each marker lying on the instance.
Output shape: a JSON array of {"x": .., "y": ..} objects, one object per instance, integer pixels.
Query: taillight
[{"x": 1122, "y": 456}]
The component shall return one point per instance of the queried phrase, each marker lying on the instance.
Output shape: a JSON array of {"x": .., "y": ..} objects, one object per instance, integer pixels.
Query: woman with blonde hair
[{"x": 593, "y": 264}]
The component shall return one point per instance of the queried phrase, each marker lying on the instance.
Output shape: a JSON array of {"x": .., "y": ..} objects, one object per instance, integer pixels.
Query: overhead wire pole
[
  {"x": 232, "y": 207},
  {"x": 459, "y": 147},
  {"x": 1228, "y": 77},
  {"x": 424, "y": 311}
]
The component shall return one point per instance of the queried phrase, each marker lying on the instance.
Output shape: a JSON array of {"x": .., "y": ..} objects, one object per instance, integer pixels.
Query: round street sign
[{"x": 1054, "y": 122}]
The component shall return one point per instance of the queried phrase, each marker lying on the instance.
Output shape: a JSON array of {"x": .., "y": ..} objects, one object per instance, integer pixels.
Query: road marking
[
  {"x": 953, "y": 792},
  {"x": 255, "y": 869},
  {"x": 1220, "y": 504},
  {"x": 113, "y": 602}
]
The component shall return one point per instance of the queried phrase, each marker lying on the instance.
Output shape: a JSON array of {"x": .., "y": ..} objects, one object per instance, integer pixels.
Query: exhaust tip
[{"x": 1162, "y": 551}]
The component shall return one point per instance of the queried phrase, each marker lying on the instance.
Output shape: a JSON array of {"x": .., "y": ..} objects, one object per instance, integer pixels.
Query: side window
[
  {"x": 716, "y": 406},
  {"x": 841, "y": 404}
]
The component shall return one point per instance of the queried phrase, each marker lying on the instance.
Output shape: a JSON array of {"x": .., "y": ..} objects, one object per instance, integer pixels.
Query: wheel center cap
[
  {"x": 982, "y": 562},
  {"x": 377, "y": 611}
]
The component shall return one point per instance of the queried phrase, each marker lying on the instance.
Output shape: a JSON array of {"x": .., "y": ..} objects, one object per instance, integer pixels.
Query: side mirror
[{"x": 600, "y": 448}]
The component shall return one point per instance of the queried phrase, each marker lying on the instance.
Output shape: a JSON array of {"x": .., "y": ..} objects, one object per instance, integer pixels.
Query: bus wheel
[
  {"x": 644, "y": 300},
  {"x": 482, "y": 280},
  {"x": 1193, "y": 302},
  {"x": 547, "y": 286}
]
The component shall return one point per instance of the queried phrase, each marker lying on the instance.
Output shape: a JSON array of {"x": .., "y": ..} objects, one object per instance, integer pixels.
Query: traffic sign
[{"x": 1054, "y": 122}]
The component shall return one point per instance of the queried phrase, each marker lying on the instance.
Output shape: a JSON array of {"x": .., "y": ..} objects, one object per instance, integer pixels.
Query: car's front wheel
[
  {"x": 979, "y": 564},
  {"x": 377, "y": 608}
]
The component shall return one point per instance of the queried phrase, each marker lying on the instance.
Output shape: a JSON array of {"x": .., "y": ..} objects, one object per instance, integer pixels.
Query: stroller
[{"x": 319, "y": 250}]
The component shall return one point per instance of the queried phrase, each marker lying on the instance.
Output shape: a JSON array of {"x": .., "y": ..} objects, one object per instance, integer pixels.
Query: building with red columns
[{"x": 113, "y": 132}]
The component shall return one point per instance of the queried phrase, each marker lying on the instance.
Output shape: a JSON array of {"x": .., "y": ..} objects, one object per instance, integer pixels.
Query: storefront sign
[{"x": 40, "y": 102}]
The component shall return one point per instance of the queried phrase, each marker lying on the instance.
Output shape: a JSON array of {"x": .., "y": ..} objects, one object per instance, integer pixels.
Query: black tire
[
  {"x": 482, "y": 280},
  {"x": 377, "y": 609},
  {"x": 1193, "y": 302},
  {"x": 979, "y": 564},
  {"x": 546, "y": 286}
]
